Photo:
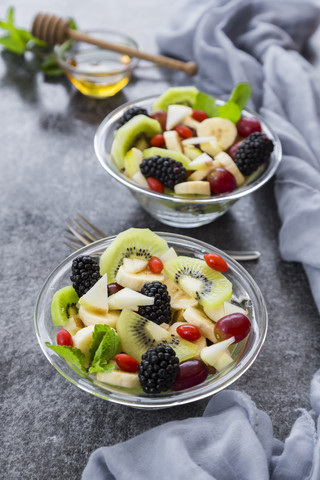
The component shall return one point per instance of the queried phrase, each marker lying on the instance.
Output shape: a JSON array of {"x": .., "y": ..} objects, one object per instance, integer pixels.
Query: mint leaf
[
  {"x": 105, "y": 368},
  {"x": 107, "y": 348},
  {"x": 10, "y": 15},
  {"x": 206, "y": 103},
  {"x": 236, "y": 103},
  {"x": 50, "y": 66},
  {"x": 10, "y": 44},
  {"x": 241, "y": 94},
  {"x": 71, "y": 354}
]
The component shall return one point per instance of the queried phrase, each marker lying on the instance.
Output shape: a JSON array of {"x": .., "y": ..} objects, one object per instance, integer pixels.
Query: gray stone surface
[{"x": 48, "y": 172}]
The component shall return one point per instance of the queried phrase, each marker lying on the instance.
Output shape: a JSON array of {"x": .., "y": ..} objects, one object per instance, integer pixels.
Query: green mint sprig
[
  {"x": 231, "y": 109},
  {"x": 105, "y": 344},
  {"x": 19, "y": 41}
]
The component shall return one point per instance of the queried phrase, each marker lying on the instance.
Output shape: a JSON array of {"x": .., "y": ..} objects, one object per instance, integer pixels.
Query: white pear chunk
[
  {"x": 172, "y": 141},
  {"x": 215, "y": 354},
  {"x": 97, "y": 297},
  {"x": 135, "y": 281},
  {"x": 175, "y": 115},
  {"x": 83, "y": 339},
  {"x": 201, "y": 321},
  {"x": 199, "y": 175},
  {"x": 191, "y": 151},
  {"x": 232, "y": 308},
  {"x": 170, "y": 254},
  {"x": 132, "y": 161},
  {"x": 89, "y": 317},
  {"x": 215, "y": 314},
  {"x": 212, "y": 148},
  {"x": 128, "y": 297},
  {"x": 189, "y": 121},
  {"x": 225, "y": 161},
  {"x": 119, "y": 378},
  {"x": 197, "y": 140},
  {"x": 134, "y": 265},
  {"x": 139, "y": 179}
]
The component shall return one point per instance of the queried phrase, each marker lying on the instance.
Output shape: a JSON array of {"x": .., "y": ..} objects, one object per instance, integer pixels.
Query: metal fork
[{"x": 85, "y": 233}]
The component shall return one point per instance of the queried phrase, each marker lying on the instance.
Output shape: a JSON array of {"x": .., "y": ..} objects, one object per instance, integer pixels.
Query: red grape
[
  {"x": 248, "y": 125},
  {"x": 214, "y": 261},
  {"x": 157, "y": 140},
  {"x": 64, "y": 338},
  {"x": 233, "y": 150},
  {"x": 155, "y": 265},
  {"x": 114, "y": 288},
  {"x": 192, "y": 372},
  {"x": 199, "y": 115},
  {"x": 126, "y": 362},
  {"x": 188, "y": 332},
  {"x": 234, "y": 325},
  {"x": 221, "y": 181},
  {"x": 183, "y": 131},
  {"x": 161, "y": 116},
  {"x": 155, "y": 185}
]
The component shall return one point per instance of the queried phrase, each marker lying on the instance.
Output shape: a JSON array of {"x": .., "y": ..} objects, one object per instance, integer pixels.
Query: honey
[{"x": 97, "y": 74}]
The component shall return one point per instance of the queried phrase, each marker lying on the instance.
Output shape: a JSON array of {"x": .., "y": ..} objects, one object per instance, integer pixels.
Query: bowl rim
[
  {"x": 171, "y": 398},
  {"x": 132, "y": 64},
  {"x": 112, "y": 170}
]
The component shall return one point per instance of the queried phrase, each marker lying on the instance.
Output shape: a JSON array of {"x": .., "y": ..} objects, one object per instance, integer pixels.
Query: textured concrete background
[{"x": 48, "y": 172}]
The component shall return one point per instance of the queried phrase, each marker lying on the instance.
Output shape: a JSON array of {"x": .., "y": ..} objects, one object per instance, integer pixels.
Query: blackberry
[
  {"x": 253, "y": 152},
  {"x": 130, "y": 113},
  {"x": 160, "y": 312},
  {"x": 84, "y": 274},
  {"x": 165, "y": 169},
  {"x": 158, "y": 369}
]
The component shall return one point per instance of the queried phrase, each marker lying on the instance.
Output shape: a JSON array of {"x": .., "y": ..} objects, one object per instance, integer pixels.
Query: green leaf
[
  {"x": 10, "y": 15},
  {"x": 206, "y": 103},
  {"x": 71, "y": 354},
  {"x": 107, "y": 346},
  {"x": 10, "y": 44},
  {"x": 107, "y": 368},
  {"x": 241, "y": 94},
  {"x": 236, "y": 103},
  {"x": 50, "y": 66}
]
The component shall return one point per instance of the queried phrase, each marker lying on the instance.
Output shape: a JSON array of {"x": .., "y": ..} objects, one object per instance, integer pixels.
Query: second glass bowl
[{"x": 174, "y": 210}]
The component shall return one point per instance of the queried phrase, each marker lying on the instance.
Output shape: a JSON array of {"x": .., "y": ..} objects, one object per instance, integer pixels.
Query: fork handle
[{"x": 244, "y": 256}]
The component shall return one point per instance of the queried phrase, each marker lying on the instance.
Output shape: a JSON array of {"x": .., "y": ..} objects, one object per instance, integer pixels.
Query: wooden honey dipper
[{"x": 56, "y": 30}]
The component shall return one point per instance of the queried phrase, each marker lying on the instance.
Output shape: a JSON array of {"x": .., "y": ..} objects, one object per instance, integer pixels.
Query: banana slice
[
  {"x": 191, "y": 151},
  {"x": 201, "y": 162},
  {"x": 222, "y": 129},
  {"x": 224, "y": 160},
  {"x": 191, "y": 122},
  {"x": 92, "y": 318},
  {"x": 134, "y": 265},
  {"x": 212, "y": 148},
  {"x": 199, "y": 319},
  {"x": 194, "y": 188},
  {"x": 172, "y": 141},
  {"x": 200, "y": 174},
  {"x": 83, "y": 339},
  {"x": 135, "y": 281},
  {"x": 120, "y": 378},
  {"x": 178, "y": 298}
]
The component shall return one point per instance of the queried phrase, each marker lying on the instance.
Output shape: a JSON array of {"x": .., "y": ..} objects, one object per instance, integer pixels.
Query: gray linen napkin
[
  {"x": 259, "y": 42},
  {"x": 232, "y": 441}
]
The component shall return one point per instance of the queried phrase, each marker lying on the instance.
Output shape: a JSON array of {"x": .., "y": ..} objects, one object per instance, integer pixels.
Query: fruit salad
[
  {"x": 189, "y": 146},
  {"x": 144, "y": 318}
]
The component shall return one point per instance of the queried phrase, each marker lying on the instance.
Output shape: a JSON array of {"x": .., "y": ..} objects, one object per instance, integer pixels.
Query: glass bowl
[
  {"x": 94, "y": 71},
  {"x": 246, "y": 293},
  {"x": 174, "y": 210}
]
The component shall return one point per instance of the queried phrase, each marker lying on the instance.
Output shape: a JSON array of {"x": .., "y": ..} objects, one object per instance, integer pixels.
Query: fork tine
[
  {"x": 84, "y": 240},
  {"x": 95, "y": 229},
  {"x": 73, "y": 240},
  {"x": 82, "y": 229},
  {"x": 72, "y": 245}
]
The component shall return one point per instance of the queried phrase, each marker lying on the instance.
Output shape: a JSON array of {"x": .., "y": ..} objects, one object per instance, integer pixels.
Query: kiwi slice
[
  {"x": 208, "y": 286},
  {"x": 137, "y": 334},
  {"x": 64, "y": 305},
  {"x": 163, "y": 152},
  {"x": 132, "y": 243},
  {"x": 131, "y": 132},
  {"x": 176, "y": 95}
]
